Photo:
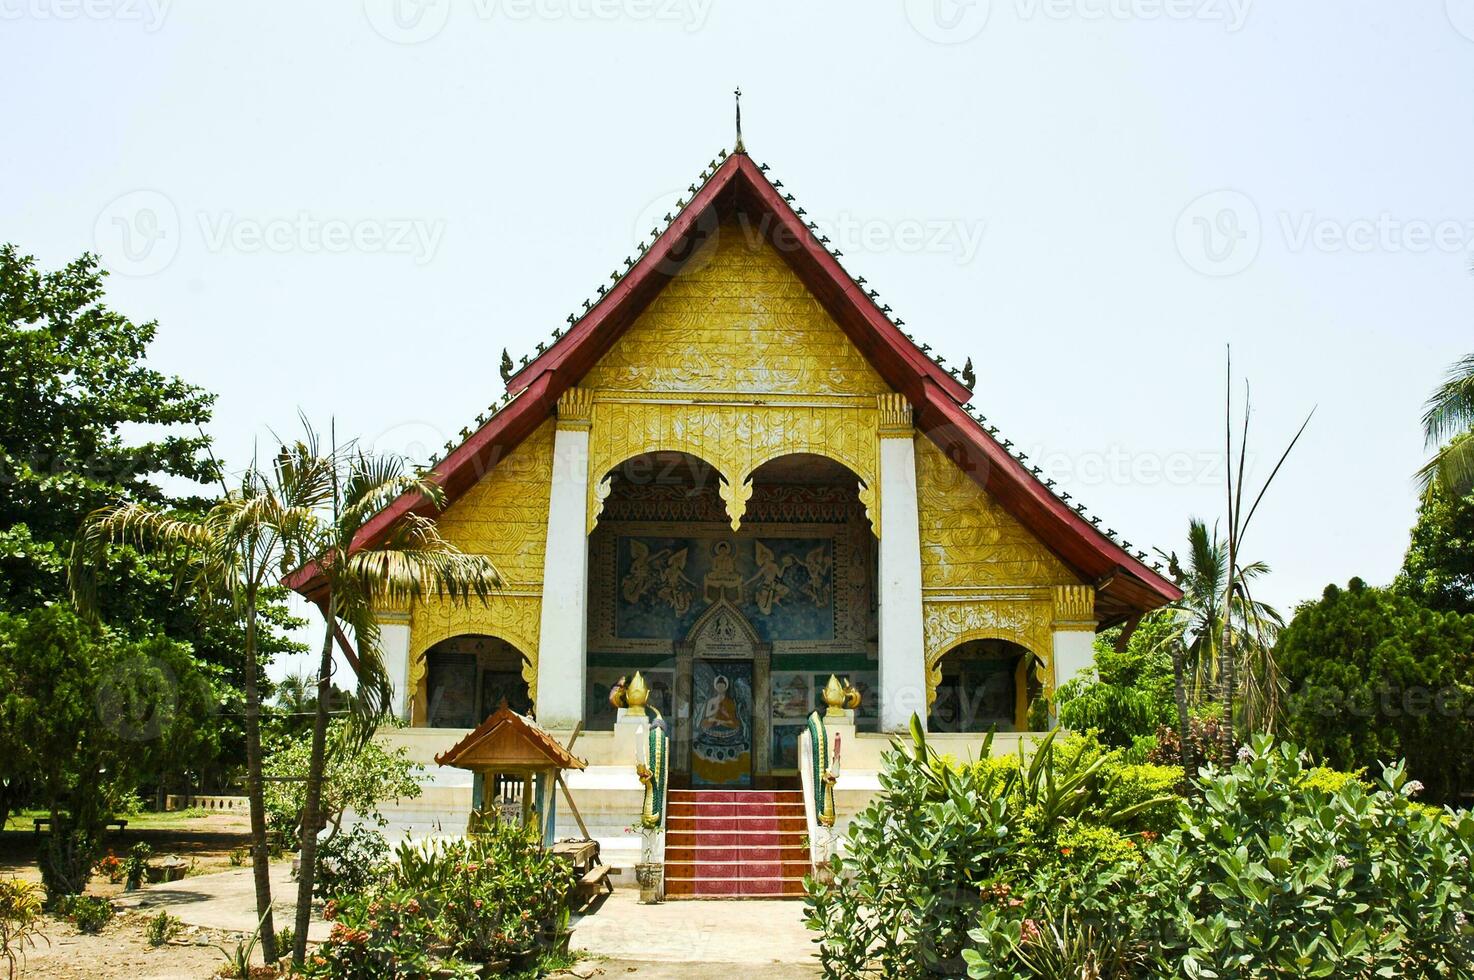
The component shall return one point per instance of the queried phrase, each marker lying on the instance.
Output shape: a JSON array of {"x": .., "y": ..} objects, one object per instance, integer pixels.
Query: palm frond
[
  {"x": 1451, "y": 470},
  {"x": 1450, "y": 409},
  {"x": 149, "y": 529}
]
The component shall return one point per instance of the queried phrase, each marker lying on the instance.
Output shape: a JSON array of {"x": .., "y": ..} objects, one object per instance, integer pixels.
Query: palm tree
[
  {"x": 1196, "y": 642},
  {"x": 243, "y": 545},
  {"x": 353, "y": 585},
  {"x": 1450, "y": 413}
]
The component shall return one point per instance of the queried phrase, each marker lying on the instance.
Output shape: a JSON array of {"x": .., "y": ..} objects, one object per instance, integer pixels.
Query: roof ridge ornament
[{"x": 739, "y": 147}]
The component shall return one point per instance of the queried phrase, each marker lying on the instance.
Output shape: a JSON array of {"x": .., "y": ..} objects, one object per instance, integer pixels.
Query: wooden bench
[
  {"x": 41, "y": 824},
  {"x": 593, "y": 874}
]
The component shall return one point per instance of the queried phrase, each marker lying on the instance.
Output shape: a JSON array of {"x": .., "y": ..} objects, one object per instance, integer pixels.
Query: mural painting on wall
[
  {"x": 600, "y": 715},
  {"x": 796, "y": 693},
  {"x": 783, "y": 586},
  {"x": 721, "y": 723}
]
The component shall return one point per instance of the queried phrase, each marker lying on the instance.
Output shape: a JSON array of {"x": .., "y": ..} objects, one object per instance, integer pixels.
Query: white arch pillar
[
  {"x": 562, "y": 663},
  {"x": 902, "y": 648}
]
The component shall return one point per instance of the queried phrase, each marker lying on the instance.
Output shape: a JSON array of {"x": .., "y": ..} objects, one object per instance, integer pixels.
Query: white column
[
  {"x": 1074, "y": 654},
  {"x": 394, "y": 648},
  {"x": 1074, "y": 632},
  {"x": 902, "y": 650},
  {"x": 563, "y": 634}
]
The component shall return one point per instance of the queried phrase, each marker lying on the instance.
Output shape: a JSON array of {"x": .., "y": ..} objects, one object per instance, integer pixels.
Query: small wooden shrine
[{"x": 517, "y": 764}]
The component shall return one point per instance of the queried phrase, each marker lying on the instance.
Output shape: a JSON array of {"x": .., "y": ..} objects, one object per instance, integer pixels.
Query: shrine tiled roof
[{"x": 941, "y": 395}]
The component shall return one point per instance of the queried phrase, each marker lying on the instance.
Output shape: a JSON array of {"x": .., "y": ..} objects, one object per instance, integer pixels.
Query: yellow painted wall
[{"x": 737, "y": 319}]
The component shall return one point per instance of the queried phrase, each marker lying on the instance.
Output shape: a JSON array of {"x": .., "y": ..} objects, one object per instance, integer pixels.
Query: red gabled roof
[{"x": 1125, "y": 584}]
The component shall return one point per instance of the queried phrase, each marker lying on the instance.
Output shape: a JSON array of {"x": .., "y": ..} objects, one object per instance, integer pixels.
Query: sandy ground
[
  {"x": 702, "y": 940},
  {"x": 121, "y": 952}
]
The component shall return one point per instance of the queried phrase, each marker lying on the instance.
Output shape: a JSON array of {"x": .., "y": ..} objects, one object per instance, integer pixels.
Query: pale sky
[{"x": 351, "y": 208}]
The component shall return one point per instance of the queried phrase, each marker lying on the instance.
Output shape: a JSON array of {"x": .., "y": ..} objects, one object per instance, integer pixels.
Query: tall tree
[
  {"x": 357, "y": 583},
  {"x": 238, "y": 551},
  {"x": 1449, "y": 414},
  {"x": 1438, "y": 569},
  {"x": 1197, "y": 633},
  {"x": 74, "y": 394},
  {"x": 1236, "y": 586},
  {"x": 84, "y": 715},
  {"x": 1374, "y": 677}
]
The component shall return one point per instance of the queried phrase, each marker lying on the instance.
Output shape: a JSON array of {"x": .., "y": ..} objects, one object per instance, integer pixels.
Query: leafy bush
[
  {"x": 1275, "y": 873},
  {"x": 1129, "y": 695},
  {"x": 942, "y": 845},
  {"x": 161, "y": 929},
  {"x": 448, "y": 906},
  {"x": 87, "y": 912},
  {"x": 1273, "y": 868},
  {"x": 135, "y": 868},
  {"x": 358, "y": 777},
  {"x": 1375, "y": 676},
  {"x": 20, "y": 922},
  {"x": 349, "y": 862}
]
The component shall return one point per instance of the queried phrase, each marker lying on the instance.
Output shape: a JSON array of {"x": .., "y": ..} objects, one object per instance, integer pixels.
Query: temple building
[{"x": 735, "y": 473}]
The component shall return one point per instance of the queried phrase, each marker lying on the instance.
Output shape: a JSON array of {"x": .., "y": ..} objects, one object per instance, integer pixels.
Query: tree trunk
[
  {"x": 1226, "y": 675},
  {"x": 310, "y": 810},
  {"x": 1184, "y": 725},
  {"x": 260, "y": 856}
]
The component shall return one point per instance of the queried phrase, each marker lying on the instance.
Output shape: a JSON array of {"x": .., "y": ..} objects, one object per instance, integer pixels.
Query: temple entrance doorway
[{"x": 734, "y": 630}]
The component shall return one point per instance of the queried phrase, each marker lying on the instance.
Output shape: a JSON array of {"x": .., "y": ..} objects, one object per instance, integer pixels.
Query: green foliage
[
  {"x": 943, "y": 844},
  {"x": 20, "y": 922},
  {"x": 1130, "y": 694},
  {"x": 84, "y": 714},
  {"x": 162, "y": 928},
  {"x": 450, "y": 906},
  {"x": 1271, "y": 868},
  {"x": 1274, "y": 875},
  {"x": 1438, "y": 569},
  {"x": 349, "y": 861},
  {"x": 358, "y": 776},
  {"x": 73, "y": 379},
  {"x": 77, "y": 397},
  {"x": 1374, "y": 676},
  {"x": 87, "y": 912},
  {"x": 135, "y": 868}
]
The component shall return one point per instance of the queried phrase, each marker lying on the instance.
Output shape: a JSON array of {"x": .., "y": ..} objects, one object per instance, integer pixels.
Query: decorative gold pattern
[
  {"x": 968, "y": 540},
  {"x": 575, "y": 408},
  {"x": 1074, "y": 607},
  {"x": 735, "y": 440},
  {"x": 504, "y": 516},
  {"x": 514, "y": 618},
  {"x": 948, "y": 623},
  {"x": 895, "y": 415},
  {"x": 736, "y": 320}
]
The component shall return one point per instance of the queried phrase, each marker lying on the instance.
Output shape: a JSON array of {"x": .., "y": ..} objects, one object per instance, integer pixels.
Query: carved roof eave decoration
[
  {"x": 539, "y": 745},
  {"x": 1125, "y": 584}
]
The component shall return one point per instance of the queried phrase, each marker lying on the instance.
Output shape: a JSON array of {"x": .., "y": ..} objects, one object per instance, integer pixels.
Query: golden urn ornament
[
  {"x": 637, "y": 695},
  {"x": 840, "y": 696}
]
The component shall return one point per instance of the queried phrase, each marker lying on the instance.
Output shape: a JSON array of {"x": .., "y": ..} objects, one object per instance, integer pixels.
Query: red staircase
[{"x": 735, "y": 844}]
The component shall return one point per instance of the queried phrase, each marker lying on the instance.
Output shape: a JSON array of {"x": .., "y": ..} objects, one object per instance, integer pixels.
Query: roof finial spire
[{"x": 739, "y": 148}]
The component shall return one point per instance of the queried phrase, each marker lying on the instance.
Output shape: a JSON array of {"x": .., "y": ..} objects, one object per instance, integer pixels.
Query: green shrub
[
  {"x": 87, "y": 912},
  {"x": 1043, "y": 867},
  {"x": 349, "y": 862},
  {"x": 943, "y": 844},
  {"x": 448, "y": 906},
  {"x": 161, "y": 929},
  {"x": 20, "y": 922},
  {"x": 135, "y": 866}
]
